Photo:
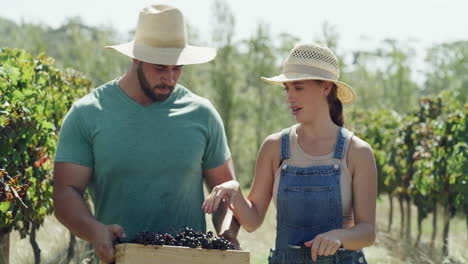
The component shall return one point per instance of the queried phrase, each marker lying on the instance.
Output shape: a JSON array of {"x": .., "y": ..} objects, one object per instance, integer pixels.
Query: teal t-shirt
[{"x": 148, "y": 161}]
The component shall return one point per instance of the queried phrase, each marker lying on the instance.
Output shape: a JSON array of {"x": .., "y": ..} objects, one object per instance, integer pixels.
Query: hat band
[
  {"x": 160, "y": 43},
  {"x": 314, "y": 71}
]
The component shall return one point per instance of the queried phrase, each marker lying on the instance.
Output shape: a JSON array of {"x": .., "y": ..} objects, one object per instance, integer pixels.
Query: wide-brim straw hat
[
  {"x": 313, "y": 62},
  {"x": 161, "y": 38}
]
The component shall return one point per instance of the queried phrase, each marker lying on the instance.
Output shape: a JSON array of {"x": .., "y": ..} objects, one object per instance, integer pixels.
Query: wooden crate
[{"x": 151, "y": 254}]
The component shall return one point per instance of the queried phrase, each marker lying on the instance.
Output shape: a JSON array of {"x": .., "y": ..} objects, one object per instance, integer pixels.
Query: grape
[{"x": 185, "y": 238}]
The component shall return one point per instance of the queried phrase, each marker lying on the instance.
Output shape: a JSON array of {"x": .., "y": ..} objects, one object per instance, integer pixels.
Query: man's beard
[{"x": 149, "y": 91}]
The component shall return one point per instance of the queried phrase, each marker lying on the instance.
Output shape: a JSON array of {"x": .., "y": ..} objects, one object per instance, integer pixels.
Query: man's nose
[{"x": 169, "y": 78}]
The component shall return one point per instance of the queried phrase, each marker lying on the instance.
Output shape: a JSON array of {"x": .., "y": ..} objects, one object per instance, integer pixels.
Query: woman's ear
[{"x": 326, "y": 87}]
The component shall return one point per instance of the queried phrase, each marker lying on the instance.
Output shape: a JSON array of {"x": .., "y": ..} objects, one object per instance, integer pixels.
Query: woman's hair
[{"x": 335, "y": 106}]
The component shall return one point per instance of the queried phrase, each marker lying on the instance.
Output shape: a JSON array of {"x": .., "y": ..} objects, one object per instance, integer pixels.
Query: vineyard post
[{"x": 4, "y": 245}]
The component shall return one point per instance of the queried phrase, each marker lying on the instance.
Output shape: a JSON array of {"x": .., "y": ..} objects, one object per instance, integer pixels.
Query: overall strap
[
  {"x": 285, "y": 144},
  {"x": 340, "y": 143}
]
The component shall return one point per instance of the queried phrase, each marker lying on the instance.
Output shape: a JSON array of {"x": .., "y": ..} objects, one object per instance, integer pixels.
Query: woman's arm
[
  {"x": 250, "y": 212},
  {"x": 364, "y": 189}
]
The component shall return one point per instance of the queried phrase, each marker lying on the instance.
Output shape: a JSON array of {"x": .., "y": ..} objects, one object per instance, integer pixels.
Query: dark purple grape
[{"x": 186, "y": 238}]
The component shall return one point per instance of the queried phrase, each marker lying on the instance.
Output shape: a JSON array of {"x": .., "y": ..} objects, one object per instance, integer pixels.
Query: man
[{"x": 143, "y": 144}]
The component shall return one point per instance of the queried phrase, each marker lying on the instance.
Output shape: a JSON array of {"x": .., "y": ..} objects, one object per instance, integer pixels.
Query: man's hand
[
  {"x": 103, "y": 241},
  {"x": 221, "y": 182},
  {"x": 231, "y": 237}
]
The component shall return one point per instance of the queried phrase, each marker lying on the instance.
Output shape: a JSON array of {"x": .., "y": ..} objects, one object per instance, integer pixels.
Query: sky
[
  {"x": 426, "y": 21},
  {"x": 361, "y": 24}
]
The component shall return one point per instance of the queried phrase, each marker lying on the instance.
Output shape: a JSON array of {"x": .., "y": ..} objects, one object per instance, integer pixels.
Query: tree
[
  {"x": 34, "y": 98},
  {"x": 447, "y": 67},
  {"x": 73, "y": 45},
  {"x": 224, "y": 71}
]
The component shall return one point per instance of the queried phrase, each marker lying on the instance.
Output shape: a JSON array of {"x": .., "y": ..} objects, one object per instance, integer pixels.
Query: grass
[
  {"x": 389, "y": 247},
  {"x": 53, "y": 239}
]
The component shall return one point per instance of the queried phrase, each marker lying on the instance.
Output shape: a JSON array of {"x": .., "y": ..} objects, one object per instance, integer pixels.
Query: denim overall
[{"x": 309, "y": 204}]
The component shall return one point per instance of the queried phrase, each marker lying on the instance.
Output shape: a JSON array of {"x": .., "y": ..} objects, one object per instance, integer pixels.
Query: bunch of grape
[{"x": 186, "y": 238}]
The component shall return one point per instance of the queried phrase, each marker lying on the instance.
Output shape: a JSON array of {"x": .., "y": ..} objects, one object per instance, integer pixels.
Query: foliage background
[{"x": 383, "y": 78}]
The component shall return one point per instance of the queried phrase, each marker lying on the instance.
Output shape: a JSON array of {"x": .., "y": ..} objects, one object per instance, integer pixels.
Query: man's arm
[
  {"x": 70, "y": 181},
  {"x": 223, "y": 219}
]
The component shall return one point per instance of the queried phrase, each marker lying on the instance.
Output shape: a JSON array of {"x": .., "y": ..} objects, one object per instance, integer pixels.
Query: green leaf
[
  {"x": 4, "y": 206},
  {"x": 18, "y": 96},
  {"x": 14, "y": 74}
]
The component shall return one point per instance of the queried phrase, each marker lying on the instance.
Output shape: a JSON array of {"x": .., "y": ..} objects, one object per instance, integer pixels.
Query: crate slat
[{"x": 151, "y": 254}]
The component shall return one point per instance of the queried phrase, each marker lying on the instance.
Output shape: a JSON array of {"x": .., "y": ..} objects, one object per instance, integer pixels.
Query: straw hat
[
  {"x": 313, "y": 62},
  {"x": 161, "y": 38}
]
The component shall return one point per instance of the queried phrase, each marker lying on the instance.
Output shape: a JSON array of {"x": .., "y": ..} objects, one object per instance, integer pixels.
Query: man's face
[{"x": 158, "y": 81}]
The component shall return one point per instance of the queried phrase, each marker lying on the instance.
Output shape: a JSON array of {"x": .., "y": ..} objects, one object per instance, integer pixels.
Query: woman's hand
[
  {"x": 325, "y": 244},
  {"x": 227, "y": 190}
]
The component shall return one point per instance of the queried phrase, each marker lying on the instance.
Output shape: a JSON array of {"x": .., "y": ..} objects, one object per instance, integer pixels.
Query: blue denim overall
[{"x": 309, "y": 204}]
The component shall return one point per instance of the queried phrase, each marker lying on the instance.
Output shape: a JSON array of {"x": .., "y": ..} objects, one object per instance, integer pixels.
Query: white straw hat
[
  {"x": 161, "y": 38},
  {"x": 313, "y": 62}
]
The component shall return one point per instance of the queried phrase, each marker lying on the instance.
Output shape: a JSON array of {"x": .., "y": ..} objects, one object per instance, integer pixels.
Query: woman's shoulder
[
  {"x": 272, "y": 142},
  {"x": 359, "y": 150},
  {"x": 361, "y": 161},
  {"x": 357, "y": 144},
  {"x": 275, "y": 137},
  {"x": 270, "y": 151}
]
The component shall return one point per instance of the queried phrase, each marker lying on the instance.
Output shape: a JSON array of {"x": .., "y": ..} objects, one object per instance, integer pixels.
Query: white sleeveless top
[{"x": 300, "y": 158}]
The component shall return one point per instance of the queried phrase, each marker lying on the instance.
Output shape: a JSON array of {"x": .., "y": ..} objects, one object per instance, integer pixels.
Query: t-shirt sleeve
[
  {"x": 74, "y": 144},
  {"x": 217, "y": 150}
]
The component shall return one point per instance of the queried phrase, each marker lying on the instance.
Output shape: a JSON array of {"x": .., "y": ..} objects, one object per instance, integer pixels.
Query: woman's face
[{"x": 307, "y": 99}]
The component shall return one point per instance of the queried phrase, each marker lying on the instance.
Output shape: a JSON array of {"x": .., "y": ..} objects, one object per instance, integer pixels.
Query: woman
[{"x": 321, "y": 177}]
